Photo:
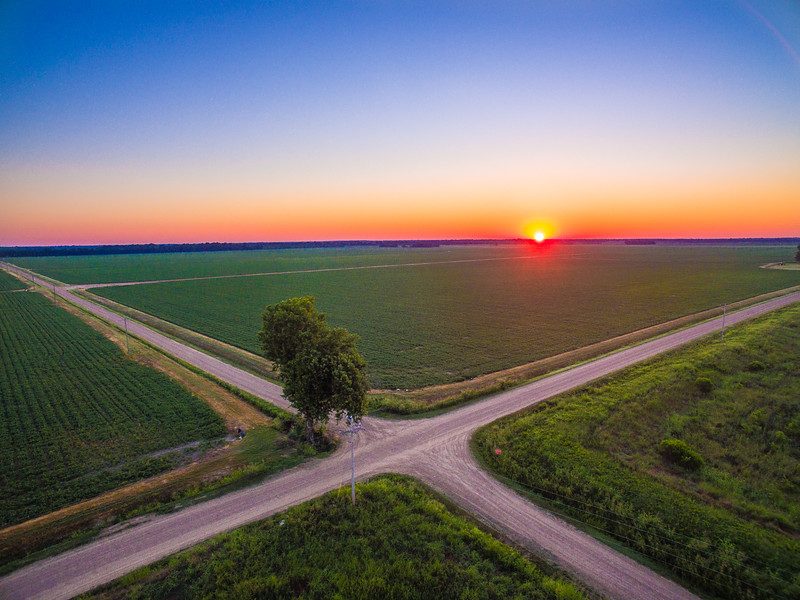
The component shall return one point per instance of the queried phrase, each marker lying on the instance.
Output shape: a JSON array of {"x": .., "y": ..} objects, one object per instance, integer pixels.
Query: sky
[{"x": 125, "y": 122}]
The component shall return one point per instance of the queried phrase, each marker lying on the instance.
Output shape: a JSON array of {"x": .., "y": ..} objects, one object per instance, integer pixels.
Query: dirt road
[{"x": 435, "y": 450}]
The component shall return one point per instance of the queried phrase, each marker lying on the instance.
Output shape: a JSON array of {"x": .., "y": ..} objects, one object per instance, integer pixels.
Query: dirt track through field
[
  {"x": 435, "y": 450},
  {"x": 87, "y": 286}
]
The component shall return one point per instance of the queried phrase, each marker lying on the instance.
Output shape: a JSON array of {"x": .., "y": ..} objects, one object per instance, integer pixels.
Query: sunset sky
[{"x": 169, "y": 121}]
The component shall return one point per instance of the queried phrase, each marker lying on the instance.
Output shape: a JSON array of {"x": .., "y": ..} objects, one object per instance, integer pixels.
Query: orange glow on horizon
[{"x": 739, "y": 208}]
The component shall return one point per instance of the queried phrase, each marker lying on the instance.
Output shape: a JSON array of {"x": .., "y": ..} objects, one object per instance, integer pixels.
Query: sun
[{"x": 538, "y": 231}]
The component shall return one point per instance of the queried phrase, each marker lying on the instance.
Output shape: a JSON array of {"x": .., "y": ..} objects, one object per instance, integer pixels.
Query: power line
[
  {"x": 570, "y": 499},
  {"x": 773, "y": 572}
]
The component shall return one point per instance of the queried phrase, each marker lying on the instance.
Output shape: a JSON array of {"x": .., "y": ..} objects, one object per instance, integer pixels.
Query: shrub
[
  {"x": 704, "y": 384},
  {"x": 756, "y": 365},
  {"x": 680, "y": 453},
  {"x": 756, "y": 421},
  {"x": 780, "y": 441}
]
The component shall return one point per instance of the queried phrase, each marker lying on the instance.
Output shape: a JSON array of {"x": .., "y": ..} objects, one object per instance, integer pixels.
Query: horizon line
[{"x": 407, "y": 240}]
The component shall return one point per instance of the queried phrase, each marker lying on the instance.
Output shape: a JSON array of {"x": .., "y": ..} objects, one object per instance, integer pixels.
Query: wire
[
  {"x": 548, "y": 492},
  {"x": 639, "y": 543}
]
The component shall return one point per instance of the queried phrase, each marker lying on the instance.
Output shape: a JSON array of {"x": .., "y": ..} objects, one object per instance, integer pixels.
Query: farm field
[
  {"x": 399, "y": 541},
  {"x": 78, "y": 417},
  {"x": 691, "y": 459},
  {"x": 9, "y": 283},
  {"x": 147, "y": 267},
  {"x": 438, "y": 323},
  {"x": 268, "y": 447}
]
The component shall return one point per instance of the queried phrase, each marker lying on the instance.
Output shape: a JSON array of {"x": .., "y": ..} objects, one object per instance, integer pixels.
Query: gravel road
[{"x": 435, "y": 450}]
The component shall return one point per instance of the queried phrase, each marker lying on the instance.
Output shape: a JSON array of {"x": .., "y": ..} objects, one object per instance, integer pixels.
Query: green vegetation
[
  {"x": 322, "y": 371},
  {"x": 233, "y": 355},
  {"x": 78, "y": 417},
  {"x": 148, "y": 267},
  {"x": 623, "y": 456},
  {"x": 431, "y": 324},
  {"x": 680, "y": 453},
  {"x": 9, "y": 283},
  {"x": 399, "y": 541},
  {"x": 270, "y": 445},
  {"x": 264, "y": 451}
]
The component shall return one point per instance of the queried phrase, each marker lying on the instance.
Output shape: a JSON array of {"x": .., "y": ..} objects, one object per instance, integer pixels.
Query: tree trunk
[{"x": 310, "y": 435}]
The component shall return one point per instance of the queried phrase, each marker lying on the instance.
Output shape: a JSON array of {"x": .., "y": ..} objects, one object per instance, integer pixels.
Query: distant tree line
[{"x": 23, "y": 251}]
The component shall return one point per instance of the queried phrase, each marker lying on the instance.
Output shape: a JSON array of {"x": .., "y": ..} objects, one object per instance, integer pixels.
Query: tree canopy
[
  {"x": 288, "y": 325},
  {"x": 322, "y": 370}
]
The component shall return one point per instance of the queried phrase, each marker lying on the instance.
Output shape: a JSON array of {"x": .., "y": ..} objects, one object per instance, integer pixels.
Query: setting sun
[{"x": 538, "y": 237}]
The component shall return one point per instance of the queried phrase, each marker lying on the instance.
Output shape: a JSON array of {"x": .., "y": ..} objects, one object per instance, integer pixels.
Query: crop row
[
  {"x": 437, "y": 323},
  {"x": 8, "y": 283},
  {"x": 78, "y": 417}
]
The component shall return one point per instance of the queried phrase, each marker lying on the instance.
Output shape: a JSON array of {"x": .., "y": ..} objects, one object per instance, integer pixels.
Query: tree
[
  {"x": 797, "y": 256},
  {"x": 284, "y": 327},
  {"x": 321, "y": 368},
  {"x": 328, "y": 376}
]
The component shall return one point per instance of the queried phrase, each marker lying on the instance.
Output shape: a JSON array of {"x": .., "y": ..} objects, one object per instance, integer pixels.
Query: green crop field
[
  {"x": 692, "y": 459},
  {"x": 148, "y": 267},
  {"x": 9, "y": 283},
  {"x": 443, "y": 322},
  {"x": 78, "y": 417},
  {"x": 399, "y": 542}
]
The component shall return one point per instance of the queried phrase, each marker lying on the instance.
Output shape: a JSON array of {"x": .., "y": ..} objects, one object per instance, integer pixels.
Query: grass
[
  {"x": 399, "y": 541},
  {"x": 79, "y": 418},
  {"x": 10, "y": 283},
  {"x": 691, "y": 459},
  {"x": 440, "y": 323}
]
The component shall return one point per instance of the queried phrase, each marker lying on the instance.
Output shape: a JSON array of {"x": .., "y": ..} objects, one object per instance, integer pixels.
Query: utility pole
[
  {"x": 353, "y": 428},
  {"x": 127, "y": 347},
  {"x": 724, "y": 313}
]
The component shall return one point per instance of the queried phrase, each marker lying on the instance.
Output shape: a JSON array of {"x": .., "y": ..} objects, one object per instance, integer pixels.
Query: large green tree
[
  {"x": 286, "y": 325},
  {"x": 322, "y": 371}
]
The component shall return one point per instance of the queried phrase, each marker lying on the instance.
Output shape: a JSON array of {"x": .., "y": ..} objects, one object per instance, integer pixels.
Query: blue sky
[{"x": 552, "y": 110}]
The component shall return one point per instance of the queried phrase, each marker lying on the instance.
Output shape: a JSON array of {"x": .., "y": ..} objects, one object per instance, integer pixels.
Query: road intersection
[{"x": 434, "y": 450}]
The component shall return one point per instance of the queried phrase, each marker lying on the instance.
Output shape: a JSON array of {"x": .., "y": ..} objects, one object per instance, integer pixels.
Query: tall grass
[
  {"x": 701, "y": 478},
  {"x": 398, "y": 541}
]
